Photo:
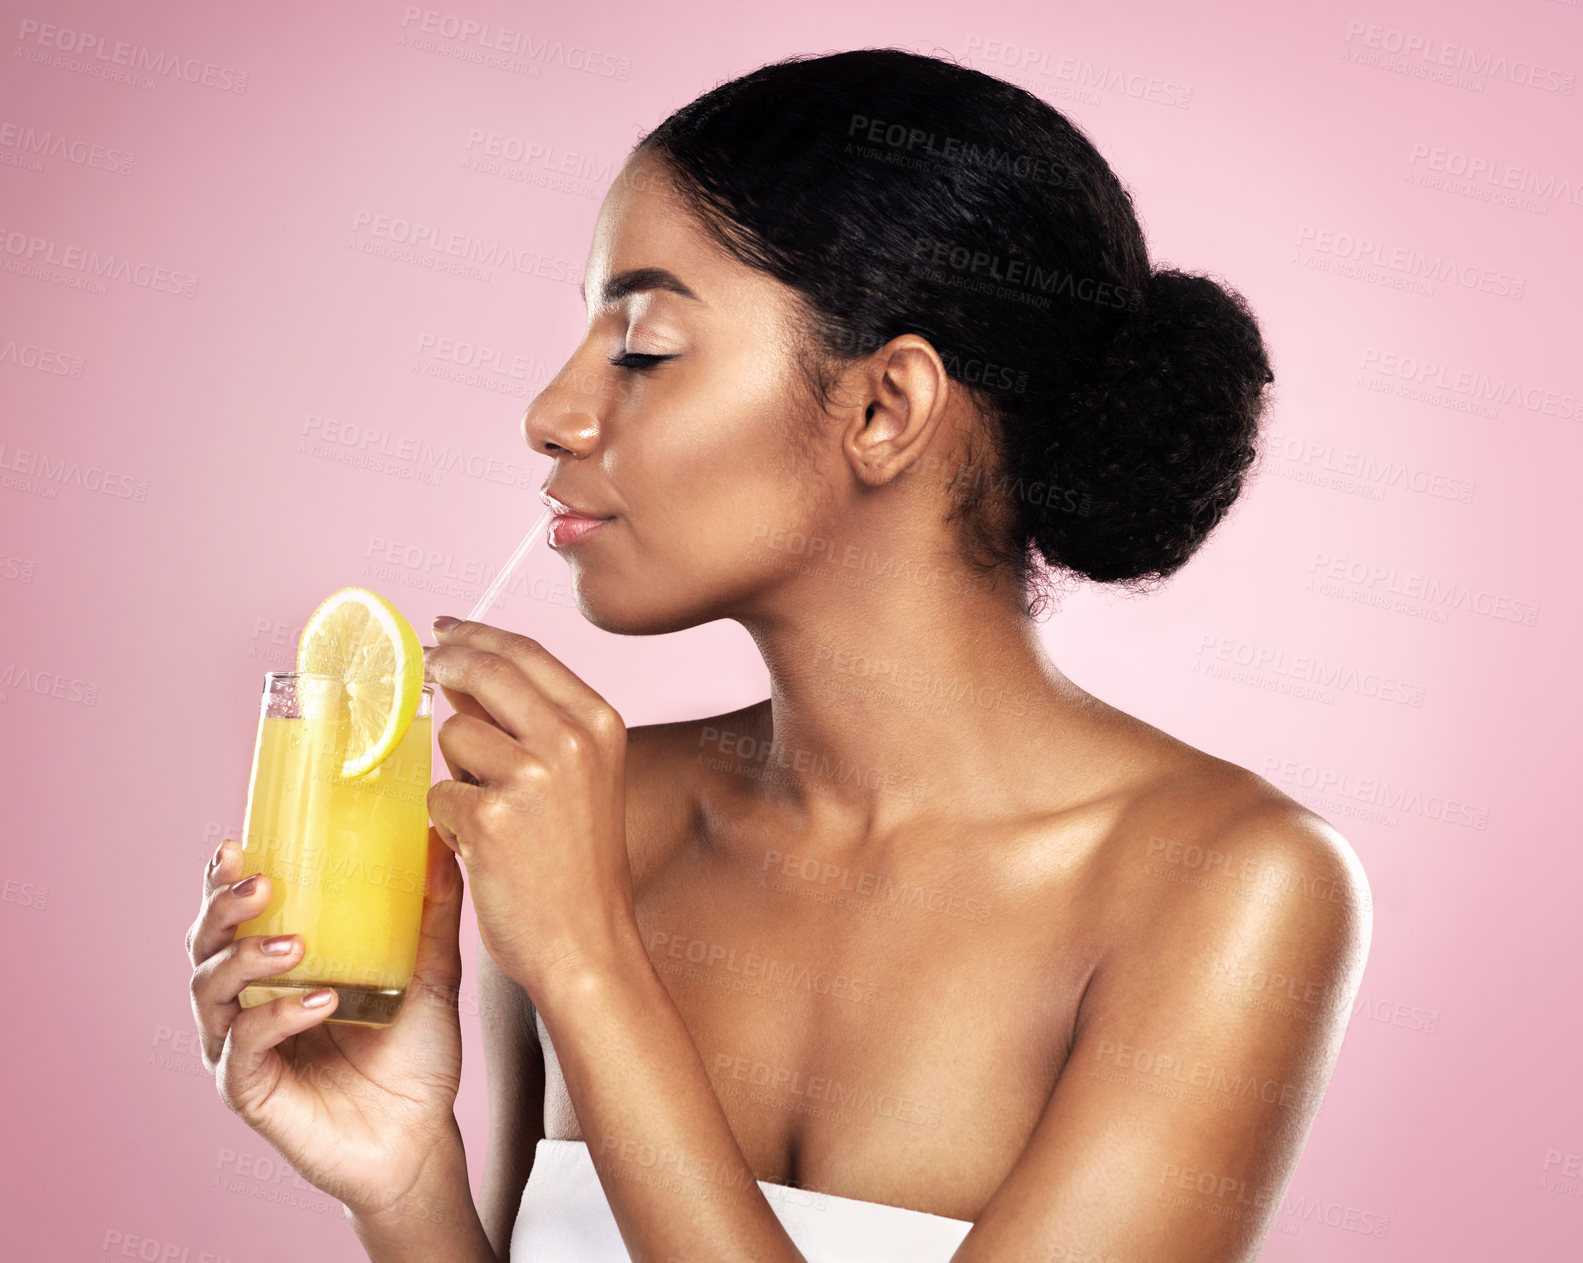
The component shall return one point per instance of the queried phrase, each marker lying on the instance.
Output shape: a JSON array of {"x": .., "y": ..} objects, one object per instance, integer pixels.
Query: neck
[{"x": 903, "y": 698}]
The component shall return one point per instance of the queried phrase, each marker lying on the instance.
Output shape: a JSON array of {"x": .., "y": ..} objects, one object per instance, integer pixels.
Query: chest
[{"x": 878, "y": 1029}]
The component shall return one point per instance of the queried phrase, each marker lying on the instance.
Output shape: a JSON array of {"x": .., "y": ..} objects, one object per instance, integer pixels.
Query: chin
[{"x": 628, "y": 614}]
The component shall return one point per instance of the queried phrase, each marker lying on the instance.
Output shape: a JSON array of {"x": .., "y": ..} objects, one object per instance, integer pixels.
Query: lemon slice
[{"x": 361, "y": 637}]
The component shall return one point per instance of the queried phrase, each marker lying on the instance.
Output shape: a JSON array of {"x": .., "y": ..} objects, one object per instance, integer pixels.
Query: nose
[{"x": 559, "y": 421}]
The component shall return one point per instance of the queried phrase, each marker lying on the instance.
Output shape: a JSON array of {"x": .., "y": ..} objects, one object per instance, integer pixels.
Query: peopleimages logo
[
  {"x": 1332, "y": 784},
  {"x": 1370, "y": 474},
  {"x": 101, "y": 58},
  {"x": 1436, "y": 378},
  {"x": 535, "y": 153},
  {"x": 1435, "y": 593},
  {"x": 1011, "y": 274},
  {"x": 1434, "y": 52},
  {"x": 1409, "y": 262},
  {"x": 1504, "y": 177},
  {"x": 23, "y": 146},
  {"x": 422, "y": 454},
  {"x": 1079, "y": 72},
  {"x": 412, "y": 241},
  {"x": 471, "y": 34},
  {"x": 1269, "y": 666},
  {"x": 38, "y": 473},
  {"x": 41, "y": 359},
  {"x": 32, "y": 255}
]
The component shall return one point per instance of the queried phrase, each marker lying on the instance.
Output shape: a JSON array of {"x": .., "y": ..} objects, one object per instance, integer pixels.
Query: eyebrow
[{"x": 636, "y": 280}]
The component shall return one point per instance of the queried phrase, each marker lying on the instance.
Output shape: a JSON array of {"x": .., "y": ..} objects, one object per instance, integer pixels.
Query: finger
[
  {"x": 221, "y": 863},
  {"x": 446, "y": 833},
  {"x": 225, "y": 867},
  {"x": 250, "y": 1069},
  {"x": 449, "y": 811},
  {"x": 553, "y": 677},
  {"x": 437, "y": 974},
  {"x": 482, "y": 749},
  {"x": 459, "y": 811},
  {"x": 219, "y": 980},
  {"x": 458, "y": 773},
  {"x": 225, "y": 908},
  {"x": 509, "y": 698},
  {"x": 462, "y": 704}
]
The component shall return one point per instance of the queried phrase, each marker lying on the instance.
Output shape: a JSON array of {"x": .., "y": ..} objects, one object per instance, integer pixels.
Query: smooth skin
[{"x": 1103, "y": 1026}]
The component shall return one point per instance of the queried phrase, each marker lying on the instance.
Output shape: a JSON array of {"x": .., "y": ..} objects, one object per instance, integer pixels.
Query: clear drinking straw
[{"x": 535, "y": 532}]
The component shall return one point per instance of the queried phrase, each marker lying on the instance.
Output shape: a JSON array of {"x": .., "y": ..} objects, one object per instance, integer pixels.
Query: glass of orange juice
[{"x": 346, "y": 855}]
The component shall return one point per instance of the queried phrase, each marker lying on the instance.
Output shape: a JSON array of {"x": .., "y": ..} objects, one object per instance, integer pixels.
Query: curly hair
[{"x": 900, "y": 193}]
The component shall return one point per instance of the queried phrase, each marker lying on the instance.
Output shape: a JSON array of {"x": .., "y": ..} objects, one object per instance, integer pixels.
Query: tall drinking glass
[{"x": 347, "y": 857}]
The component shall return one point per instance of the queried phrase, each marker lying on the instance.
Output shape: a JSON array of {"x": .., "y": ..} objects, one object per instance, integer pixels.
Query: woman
[{"x": 930, "y": 950}]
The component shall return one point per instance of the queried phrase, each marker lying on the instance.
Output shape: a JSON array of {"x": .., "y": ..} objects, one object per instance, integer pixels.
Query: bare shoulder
[
  {"x": 658, "y": 753},
  {"x": 666, "y": 763},
  {"x": 1212, "y": 852},
  {"x": 1232, "y": 926}
]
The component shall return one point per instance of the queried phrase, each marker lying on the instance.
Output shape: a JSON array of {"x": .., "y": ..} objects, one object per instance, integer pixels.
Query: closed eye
[{"x": 632, "y": 359}]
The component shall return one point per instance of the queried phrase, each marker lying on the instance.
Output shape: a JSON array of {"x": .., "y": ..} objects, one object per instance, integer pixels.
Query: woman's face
[{"x": 701, "y": 460}]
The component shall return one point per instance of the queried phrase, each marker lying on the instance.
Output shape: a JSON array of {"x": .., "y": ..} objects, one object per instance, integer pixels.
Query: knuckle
[
  {"x": 211, "y": 909},
  {"x": 228, "y": 1093},
  {"x": 489, "y": 666},
  {"x": 496, "y": 810},
  {"x": 523, "y": 765},
  {"x": 479, "y": 813},
  {"x": 516, "y": 642},
  {"x": 225, "y": 1072},
  {"x": 202, "y": 972},
  {"x": 533, "y": 777},
  {"x": 606, "y": 723},
  {"x": 572, "y": 743}
]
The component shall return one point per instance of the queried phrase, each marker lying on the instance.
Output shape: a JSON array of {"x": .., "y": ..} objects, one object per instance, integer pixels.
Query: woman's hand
[
  {"x": 537, "y": 809},
  {"x": 356, "y": 1110}
]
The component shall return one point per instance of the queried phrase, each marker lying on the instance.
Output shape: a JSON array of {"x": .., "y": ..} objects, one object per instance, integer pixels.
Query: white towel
[{"x": 565, "y": 1218}]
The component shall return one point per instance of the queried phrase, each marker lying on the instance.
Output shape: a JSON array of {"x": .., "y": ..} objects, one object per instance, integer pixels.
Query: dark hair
[{"x": 899, "y": 193}]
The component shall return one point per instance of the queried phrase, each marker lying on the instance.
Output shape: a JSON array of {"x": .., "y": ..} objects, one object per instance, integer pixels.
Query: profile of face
[{"x": 683, "y": 416}]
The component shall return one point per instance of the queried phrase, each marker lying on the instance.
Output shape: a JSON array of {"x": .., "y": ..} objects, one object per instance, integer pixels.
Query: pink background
[{"x": 185, "y": 477}]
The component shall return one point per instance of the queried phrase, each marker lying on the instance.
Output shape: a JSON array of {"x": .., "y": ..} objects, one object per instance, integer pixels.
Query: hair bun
[
  {"x": 896, "y": 193},
  {"x": 1153, "y": 447}
]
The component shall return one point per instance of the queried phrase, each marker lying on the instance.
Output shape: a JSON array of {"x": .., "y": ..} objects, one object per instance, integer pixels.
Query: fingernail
[
  {"x": 279, "y": 945},
  {"x": 244, "y": 887},
  {"x": 218, "y": 852},
  {"x": 317, "y": 999},
  {"x": 445, "y": 622}
]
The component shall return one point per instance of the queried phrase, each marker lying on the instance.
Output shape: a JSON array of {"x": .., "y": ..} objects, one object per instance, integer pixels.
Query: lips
[
  {"x": 566, "y": 507},
  {"x": 571, "y": 522},
  {"x": 568, "y": 528}
]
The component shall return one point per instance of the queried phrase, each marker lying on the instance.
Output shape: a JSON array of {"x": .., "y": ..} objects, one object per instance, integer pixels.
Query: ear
[{"x": 902, "y": 391}]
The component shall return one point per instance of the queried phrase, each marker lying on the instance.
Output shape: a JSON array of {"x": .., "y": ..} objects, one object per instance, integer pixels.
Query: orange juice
[{"x": 346, "y": 856}]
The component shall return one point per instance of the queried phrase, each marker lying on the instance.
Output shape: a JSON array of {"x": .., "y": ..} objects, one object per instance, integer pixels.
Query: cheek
[{"x": 712, "y": 472}]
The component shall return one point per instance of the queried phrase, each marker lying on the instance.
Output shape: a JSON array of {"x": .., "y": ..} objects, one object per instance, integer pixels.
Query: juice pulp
[{"x": 346, "y": 858}]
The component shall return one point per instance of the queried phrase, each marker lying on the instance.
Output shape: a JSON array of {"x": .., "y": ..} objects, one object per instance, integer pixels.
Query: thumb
[{"x": 439, "y": 962}]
